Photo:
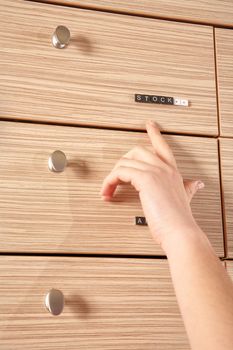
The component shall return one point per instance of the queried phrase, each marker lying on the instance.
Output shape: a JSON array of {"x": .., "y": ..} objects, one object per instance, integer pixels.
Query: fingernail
[{"x": 200, "y": 185}]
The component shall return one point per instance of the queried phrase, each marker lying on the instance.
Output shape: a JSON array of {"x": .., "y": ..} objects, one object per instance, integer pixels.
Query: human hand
[{"x": 164, "y": 195}]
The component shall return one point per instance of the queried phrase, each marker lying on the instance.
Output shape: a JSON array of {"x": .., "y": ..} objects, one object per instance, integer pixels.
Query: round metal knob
[
  {"x": 61, "y": 37},
  {"x": 57, "y": 161},
  {"x": 54, "y": 302}
]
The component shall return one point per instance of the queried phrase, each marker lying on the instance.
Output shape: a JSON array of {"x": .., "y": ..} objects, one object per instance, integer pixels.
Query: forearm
[{"x": 204, "y": 290}]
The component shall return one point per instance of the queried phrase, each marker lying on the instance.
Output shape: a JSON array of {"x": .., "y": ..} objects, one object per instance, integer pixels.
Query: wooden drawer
[
  {"x": 224, "y": 54},
  {"x": 110, "y": 58},
  {"x": 226, "y": 153},
  {"x": 207, "y": 11},
  {"x": 109, "y": 304},
  {"x": 43, "y": 211}
]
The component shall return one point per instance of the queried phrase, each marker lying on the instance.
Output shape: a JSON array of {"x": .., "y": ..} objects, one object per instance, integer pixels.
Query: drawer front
[
  {"x": 110, "y": 58},
  {"x": 226, "y": 153},
  {"x": 207, "y": 11},
  {"x": 64, "y": 212},
  {"x": 109, "y": 304},
  {"x": 224, "y": 54}
]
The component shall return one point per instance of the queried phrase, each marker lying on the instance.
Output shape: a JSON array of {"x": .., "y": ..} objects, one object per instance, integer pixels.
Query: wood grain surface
[
  {"x": 43, "y": 211},
  {"x": 229, "y": 267},
  {"x": 224, "y": 54},
  {"x": 110, "y": 58},
  {"x": 226, "y": 154},
  {"x": 218, "y": 12},
  {"x": 110, "y": 304}
]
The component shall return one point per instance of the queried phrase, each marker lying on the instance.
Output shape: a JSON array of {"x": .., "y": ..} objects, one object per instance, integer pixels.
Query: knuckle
[
  {"x": 120, "y": 162},
  {"x": 137, "y": 149},
  {"x": 121, "y": 167}
]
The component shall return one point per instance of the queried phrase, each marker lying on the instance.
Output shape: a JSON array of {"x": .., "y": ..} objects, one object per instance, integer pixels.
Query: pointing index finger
[{"x": 159, "y": 144}]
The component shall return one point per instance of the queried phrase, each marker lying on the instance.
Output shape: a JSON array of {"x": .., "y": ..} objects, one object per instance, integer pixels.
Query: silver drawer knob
[
  {"x": 57, "y": 161},
  {"x": 61, "y": 37},
  {"x": 54, "y": 302}
]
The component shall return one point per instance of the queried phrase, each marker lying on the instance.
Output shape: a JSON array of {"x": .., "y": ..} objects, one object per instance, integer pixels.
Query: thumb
[{"x": 191, "y": 187}]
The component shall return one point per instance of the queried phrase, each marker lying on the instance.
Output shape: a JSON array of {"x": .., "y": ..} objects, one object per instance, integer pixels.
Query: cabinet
[
  {"x": 215, "y": 12},
  {"x": 109, "y": 304},
  {"x": 84, "y": 102},
  {"x": 44, "y": 211},
  {"x": 109, "y": 59}
]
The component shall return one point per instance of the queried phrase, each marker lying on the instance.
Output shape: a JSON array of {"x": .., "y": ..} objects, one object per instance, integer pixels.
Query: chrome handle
[
  {"x": 57, "y": 161},
  {"x": 61, "y": 37},
  {"x": 54, "y": 302}
]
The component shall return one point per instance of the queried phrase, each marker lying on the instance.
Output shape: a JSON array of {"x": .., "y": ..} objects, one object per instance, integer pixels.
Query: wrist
[{"x": 187, "y": 234}]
